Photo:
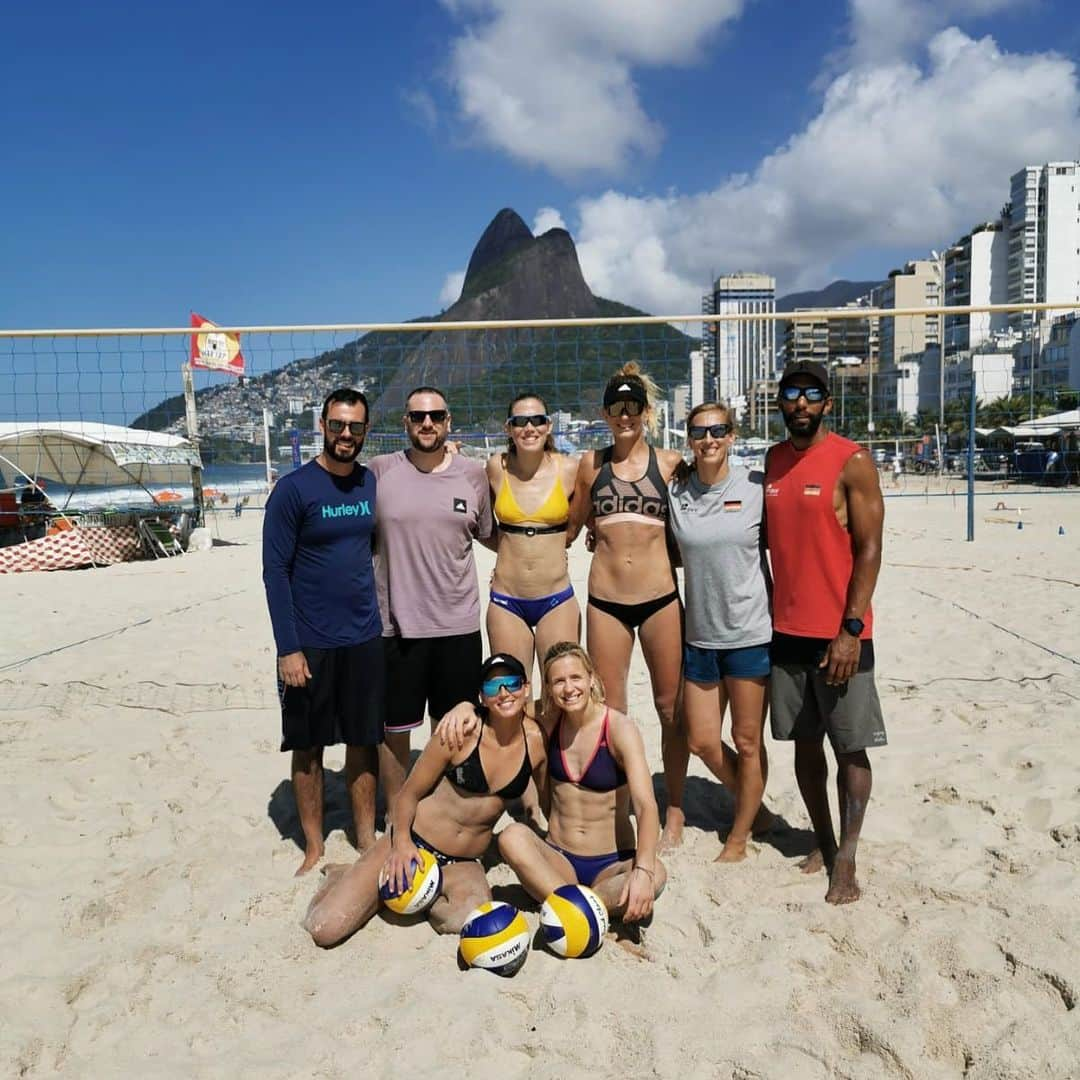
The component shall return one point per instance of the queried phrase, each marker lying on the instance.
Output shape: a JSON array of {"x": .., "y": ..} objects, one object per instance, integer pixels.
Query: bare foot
[
  {"x": 671, "y": 837},
  {"x": 843, "y": 888},
  {"x": 733, "y": 851},
  {"x": 363, "y": 842},
  {"x": 311, "y": 859},
  {"x": 813, "y": 863}
]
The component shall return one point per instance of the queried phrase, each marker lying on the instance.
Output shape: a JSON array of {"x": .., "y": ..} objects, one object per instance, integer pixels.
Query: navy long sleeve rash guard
[{"x": 317, "y": 534}]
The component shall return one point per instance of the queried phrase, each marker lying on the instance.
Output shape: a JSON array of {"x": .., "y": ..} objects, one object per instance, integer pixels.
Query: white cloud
[
  {"x": 451, "y": 288},
  {"x": 421, "y": 105},
  {"x": 899, "y": 155},
  {"x": 550, "y": 82},
  {"x": 883, "y": 30},
  {"x": 547, "y": 217}
]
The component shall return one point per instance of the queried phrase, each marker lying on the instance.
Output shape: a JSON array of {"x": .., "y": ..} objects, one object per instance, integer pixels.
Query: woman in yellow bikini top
[{"x": 532, "y": 602}]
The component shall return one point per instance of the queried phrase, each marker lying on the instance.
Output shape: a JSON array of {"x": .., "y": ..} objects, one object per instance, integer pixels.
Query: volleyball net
[{"x": 890, "y": 388}]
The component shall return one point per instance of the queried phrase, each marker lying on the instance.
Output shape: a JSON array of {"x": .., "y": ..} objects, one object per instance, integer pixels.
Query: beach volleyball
[
  {"x": 495, "y": 937},
  {"x": 424, "y": 887},
  {"x": 574, "y": 921}
]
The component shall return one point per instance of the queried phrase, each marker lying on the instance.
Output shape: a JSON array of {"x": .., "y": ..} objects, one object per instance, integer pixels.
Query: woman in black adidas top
[{"x": 621, "y": 491}]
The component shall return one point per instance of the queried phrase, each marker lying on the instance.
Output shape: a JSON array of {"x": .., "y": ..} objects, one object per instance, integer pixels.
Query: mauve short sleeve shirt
[{"x": 425, "y": 575}]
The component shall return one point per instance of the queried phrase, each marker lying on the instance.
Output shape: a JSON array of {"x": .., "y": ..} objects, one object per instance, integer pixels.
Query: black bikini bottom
[{"x": 633, "y": 615}]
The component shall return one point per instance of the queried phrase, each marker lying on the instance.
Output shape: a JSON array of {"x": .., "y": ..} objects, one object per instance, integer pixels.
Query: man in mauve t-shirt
[
  {"x": 824, "y": 515},
  {"x": 432, "y": 504}
]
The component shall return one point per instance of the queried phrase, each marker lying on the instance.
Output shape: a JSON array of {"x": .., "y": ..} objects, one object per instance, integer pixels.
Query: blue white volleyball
[
  {"x": 422, "y": 891},
  {"x": 574, "y": 921},
  {"x": 495, "y": 937}
]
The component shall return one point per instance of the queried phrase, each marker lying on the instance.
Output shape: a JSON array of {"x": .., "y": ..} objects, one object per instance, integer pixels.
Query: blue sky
[{"x": 264, "y": 163}]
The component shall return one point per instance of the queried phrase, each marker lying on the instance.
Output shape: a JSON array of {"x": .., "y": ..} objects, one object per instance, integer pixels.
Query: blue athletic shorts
[{"x": 712, "y": 665}]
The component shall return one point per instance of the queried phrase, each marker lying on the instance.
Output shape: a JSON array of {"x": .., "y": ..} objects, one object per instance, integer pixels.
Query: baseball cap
[
  {"x": 502, "y": 660},
  {"x": 625, "y": 388},
  {"x": 816, "y": 371}
]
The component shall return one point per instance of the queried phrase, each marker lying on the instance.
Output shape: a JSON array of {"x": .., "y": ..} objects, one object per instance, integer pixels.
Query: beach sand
[{"x": 150, "y": 920}]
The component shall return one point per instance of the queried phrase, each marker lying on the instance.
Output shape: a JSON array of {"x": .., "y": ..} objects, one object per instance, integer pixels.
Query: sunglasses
[
  {"x": 438, "y": 416},
  {"x": 356, "y": 427},
  {"x": 511, "y": 683},
  {"x": 813, "y": 394},
  {"x": 715, "y": 431},
  {"x": 537, "y": 420},
  {"x": 623, "y": 407}
]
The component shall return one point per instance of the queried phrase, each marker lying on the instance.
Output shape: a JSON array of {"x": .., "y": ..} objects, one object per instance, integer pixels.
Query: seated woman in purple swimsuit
[{"x": 596, "y": 770}]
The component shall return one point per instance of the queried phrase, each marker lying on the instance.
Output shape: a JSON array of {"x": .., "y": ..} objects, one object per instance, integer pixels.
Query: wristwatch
[{"x": 853, "y": 626}]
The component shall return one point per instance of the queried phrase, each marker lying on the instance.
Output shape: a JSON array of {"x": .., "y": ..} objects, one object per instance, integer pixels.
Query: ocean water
[{"x": 232, "y": 480}]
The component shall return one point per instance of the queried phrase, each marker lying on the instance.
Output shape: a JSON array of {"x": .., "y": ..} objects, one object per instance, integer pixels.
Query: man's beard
[
  {"x": 440, "y": 440},
  {"x": 809, "y": 428},
  {"x": 330, "y": 448}
]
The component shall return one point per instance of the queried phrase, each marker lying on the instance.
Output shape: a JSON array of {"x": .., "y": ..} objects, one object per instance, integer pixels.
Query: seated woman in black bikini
[
  {"x": 596, "y": 771},
  {"x": 623, "y": 491},
  {"x": 449, "y": 805}
]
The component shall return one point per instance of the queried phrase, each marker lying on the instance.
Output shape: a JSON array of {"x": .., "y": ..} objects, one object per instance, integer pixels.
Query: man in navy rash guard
[{"x": 320, "y": 588}]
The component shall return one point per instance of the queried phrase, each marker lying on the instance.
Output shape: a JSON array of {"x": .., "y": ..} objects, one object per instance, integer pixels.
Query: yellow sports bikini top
[{"x": 554, "y": 510}]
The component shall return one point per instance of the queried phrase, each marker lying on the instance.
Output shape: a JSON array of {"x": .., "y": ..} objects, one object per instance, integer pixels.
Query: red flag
[{"x": 216, "y": 351}]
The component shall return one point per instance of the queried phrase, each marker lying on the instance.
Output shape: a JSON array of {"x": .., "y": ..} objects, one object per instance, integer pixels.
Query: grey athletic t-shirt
[
  {"x": 425, "y": 523},
  {"x": 718, "y": 530}
]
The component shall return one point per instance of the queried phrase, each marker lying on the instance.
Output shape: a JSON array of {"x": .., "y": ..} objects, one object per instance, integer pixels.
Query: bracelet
[{"x": 645, "y": 869}]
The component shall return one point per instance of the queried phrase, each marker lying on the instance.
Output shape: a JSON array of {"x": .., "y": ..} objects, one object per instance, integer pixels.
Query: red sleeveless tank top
[{"x": 811, "y": 551}]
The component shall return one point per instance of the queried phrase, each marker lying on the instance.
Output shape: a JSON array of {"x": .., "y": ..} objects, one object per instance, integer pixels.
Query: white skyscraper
[
  {"x": 743, "y": 350},
  {"x": 976, "y": 272},
  {"x": 1044, "y": 237}
]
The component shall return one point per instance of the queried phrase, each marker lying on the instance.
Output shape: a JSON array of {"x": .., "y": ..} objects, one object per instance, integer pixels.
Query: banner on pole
[{"x": 215, "y": 350}]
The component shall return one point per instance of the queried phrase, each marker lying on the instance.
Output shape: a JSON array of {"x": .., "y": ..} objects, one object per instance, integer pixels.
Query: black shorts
[
  {"x": 343, "y": 702},
  {"x": 429, "y": 674}
]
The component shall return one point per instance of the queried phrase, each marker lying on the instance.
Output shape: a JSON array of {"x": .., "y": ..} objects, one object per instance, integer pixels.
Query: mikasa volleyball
[
  {"x": 422, "y": 891},
  {"x": 574, "y": 921},
  {"x": 495, "y": 937}
]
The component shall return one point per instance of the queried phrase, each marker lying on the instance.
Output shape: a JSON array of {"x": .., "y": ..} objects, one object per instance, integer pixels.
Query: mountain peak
[{"x": 506, "y": 234}]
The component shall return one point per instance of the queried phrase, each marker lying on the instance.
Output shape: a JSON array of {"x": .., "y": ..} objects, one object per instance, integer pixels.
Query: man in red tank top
[{"x": 824, "y": 515}]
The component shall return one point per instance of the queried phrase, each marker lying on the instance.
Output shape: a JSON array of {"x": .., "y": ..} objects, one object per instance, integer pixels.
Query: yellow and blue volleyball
[
  {"x": 574, "y": 921},
  {"x": 495, "y": 937},
  {"x": 422, "y": 891}
]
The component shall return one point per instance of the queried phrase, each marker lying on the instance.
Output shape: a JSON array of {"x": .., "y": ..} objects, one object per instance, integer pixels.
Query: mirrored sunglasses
[
  {"x": 356, "y": 427},
  {"x": 438, "y": 416},
  {"x": 623, "y": 407},
  {"x": 714, "y": 431},
  {"x": 536, "y": 419},
  {"x": 511, "y": 683},
  {"x": 813, "y": 394}
]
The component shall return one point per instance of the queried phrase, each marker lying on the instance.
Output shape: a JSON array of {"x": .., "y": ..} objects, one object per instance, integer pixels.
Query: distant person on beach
[
  {"x": 449, "y": 805},
  {"x": 34, "y": 505},
  {"x": 622, "y": 494},
  {"x": 716, "y": 522},
  {"x": 897, "y": 469},
  {"x": 432, "y": 504},
  {"x": 320, "y": 587},
  {"x": 824, "y": 515}
]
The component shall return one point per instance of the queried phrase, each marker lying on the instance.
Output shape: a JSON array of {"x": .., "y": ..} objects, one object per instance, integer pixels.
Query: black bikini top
[
  {"x": 647, "y": 496},
  {"x": 469, "y": 774}
]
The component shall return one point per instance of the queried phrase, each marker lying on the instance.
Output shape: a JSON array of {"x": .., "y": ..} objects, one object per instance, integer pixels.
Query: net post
[{"x": 193, "y": 438}]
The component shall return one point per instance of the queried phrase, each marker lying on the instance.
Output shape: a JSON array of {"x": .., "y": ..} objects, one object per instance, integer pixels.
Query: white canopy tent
[{"x": 76, "y": 453}]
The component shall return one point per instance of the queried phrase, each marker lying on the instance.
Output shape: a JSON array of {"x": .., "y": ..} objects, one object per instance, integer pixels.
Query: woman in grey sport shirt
[{"x": 716, "y": 518}]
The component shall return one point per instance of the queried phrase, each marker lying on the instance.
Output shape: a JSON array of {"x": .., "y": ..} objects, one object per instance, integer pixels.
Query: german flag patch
[
  {"x": 812, "y": 489},
  {"x": 732, "y": 506}
]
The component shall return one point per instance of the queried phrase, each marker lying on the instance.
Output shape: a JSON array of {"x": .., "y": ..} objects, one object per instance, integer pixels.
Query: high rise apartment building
[
  {"x": 742, "y": 351},
  {"x": 917, "y": 285},
  {"x": 976, "y": 273},
  {"x": 1044, "y": 237}
]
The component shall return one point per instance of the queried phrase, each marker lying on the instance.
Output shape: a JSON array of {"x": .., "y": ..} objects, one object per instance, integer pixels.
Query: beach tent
[
  {"x": 1049, "y": 425},
  {"x": 75, "y": 453}
]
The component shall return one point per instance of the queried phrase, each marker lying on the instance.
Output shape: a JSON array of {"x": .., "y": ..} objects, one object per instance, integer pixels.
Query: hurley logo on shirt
[
  {"x": 360, "y": 509},
  {"x": 460, "y": 506}
]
